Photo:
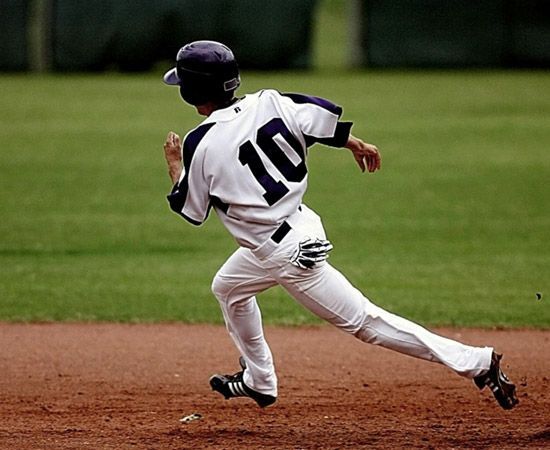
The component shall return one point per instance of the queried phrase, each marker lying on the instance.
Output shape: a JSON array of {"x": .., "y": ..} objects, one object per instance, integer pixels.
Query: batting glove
[{"x": 310, "y": 252}]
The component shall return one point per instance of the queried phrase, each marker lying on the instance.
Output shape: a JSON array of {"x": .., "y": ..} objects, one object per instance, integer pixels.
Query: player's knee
[
  {"x": 220, "y": 287},
  {"x": 367, "y": 335}
]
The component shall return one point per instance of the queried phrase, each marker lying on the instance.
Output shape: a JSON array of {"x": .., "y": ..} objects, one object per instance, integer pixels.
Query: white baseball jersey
[{"x": 248, "y": 161}]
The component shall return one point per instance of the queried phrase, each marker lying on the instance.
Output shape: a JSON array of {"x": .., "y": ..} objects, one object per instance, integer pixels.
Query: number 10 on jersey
[{"x": 248, "y": 156}]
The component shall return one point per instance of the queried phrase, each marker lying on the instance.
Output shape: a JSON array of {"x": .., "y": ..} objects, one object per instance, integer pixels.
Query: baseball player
[{"x": 247, "y": 161}]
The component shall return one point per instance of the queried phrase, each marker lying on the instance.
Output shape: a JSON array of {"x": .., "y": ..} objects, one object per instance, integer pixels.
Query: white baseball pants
[{"x": 329, "y": 295}]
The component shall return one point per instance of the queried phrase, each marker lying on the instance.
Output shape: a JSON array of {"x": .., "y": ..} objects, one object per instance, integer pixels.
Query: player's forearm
[
  {"x": 352, "y": 142},
  {"x": 174, "y": 171}
]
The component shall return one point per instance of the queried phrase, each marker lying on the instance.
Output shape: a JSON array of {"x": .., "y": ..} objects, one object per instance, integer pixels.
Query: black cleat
[
  {"x": 233, "y": 386},
  {"x": 503, "y": 389}
]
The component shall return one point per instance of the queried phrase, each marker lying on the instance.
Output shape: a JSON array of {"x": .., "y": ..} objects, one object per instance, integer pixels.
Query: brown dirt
[{"x": 77, "y": 386}]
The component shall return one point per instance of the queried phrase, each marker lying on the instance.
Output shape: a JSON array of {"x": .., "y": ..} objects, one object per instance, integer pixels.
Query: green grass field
[{"x": 455, "y": 229}]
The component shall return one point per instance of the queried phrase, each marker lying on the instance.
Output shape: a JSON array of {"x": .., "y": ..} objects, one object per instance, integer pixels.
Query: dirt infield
[{"x": 77, "y": 386}]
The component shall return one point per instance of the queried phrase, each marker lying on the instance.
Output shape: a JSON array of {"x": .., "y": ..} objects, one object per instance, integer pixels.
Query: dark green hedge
[
  {"x": 85, "y": 35},
  {"x": 456, "y": 33},
  {"x": 134, "y": 34},
  {"x": 13, "y": 35}
]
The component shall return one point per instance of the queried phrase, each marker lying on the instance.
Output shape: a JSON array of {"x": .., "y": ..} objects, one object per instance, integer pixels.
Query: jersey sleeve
[
  {"x": 190, "y": 195},
  {"x": 318, "y": 119}
]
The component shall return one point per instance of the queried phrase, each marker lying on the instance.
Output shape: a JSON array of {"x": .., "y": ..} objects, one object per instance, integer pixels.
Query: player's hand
[
  {"x": 172, "y": 153},
  {"x": 366, "y": 155},
  {"x": 172, "y": 148}
]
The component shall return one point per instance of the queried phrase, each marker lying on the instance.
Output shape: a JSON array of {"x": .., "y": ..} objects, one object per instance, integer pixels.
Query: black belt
[{"x": 280, "y": 233}]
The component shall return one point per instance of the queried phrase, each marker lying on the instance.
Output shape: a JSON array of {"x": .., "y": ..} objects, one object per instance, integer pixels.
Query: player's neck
[{"x": 210, "y": 107}]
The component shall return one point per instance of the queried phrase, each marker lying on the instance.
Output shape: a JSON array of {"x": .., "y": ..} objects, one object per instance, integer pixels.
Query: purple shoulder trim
[{"x": 323, "y": 103}]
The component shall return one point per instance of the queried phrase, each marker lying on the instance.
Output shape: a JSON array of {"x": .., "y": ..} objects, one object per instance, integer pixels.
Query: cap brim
[{"x": 171, "y": 77}]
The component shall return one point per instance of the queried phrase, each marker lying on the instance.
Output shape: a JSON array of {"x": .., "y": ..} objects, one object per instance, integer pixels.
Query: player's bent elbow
[
  {"x": 177, "y": 210},
  {"x": 191, "y": 221}
]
